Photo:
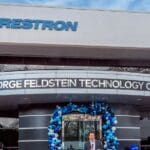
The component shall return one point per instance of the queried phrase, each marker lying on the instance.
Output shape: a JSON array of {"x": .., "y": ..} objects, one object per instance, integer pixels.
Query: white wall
[{"x": 96, "y": 28}]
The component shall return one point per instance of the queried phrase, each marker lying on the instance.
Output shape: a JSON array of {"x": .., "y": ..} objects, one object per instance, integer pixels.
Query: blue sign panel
[{"x": 58, "y": 25}]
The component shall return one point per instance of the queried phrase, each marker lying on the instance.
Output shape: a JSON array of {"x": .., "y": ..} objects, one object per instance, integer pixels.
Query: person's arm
[{"x": 85, "y": 146}]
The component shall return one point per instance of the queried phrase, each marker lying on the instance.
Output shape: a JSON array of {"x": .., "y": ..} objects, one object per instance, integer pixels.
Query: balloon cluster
[
  {"x": 97, "y": 108},
  {"x": 134, "y": 147}
]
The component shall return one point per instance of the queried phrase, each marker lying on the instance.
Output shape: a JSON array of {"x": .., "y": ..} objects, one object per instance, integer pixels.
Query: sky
[{"x": 129, "y": 5}]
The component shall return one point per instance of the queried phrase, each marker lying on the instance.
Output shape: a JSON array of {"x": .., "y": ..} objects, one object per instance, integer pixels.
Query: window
[{"x": 75, "y": 129}]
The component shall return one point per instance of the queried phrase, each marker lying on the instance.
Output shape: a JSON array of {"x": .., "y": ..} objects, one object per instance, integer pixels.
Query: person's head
[{"x": 91, "y": 135}]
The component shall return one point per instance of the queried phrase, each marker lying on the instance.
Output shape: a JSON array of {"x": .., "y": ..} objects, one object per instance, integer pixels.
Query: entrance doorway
[
  {"x": 9, "y": 133},
  {"x": 75, "y": 129},
  {"x": 9, "y": 139}
]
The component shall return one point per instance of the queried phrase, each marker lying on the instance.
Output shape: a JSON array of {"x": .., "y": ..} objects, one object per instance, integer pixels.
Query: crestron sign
[
  {"x": 90, "y": 83},
  {"x": 58, "y": 25}
]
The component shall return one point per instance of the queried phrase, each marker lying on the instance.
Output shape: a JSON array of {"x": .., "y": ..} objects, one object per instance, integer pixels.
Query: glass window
[{"x": 75, "y": 129}]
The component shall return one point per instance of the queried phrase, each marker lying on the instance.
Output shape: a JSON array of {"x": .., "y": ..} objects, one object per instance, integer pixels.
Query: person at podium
[{"x": 92, "y": 143}]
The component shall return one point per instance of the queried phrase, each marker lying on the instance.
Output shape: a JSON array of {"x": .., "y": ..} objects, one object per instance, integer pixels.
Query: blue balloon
[
  {"x": 98, "y": 108},
  {"x": 134, "y": 147}
]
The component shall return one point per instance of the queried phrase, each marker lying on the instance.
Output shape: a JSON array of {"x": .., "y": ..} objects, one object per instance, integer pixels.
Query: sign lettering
[
  {"x": 58, "y": 25},
  {"x": 90, "y": 83}
]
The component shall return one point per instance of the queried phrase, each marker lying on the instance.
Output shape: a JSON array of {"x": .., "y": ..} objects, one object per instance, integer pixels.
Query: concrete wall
[
  {"x": 102, "y": 28},
  {"x": 100, "y": 34},
  {"x": 145, "y": 128}
]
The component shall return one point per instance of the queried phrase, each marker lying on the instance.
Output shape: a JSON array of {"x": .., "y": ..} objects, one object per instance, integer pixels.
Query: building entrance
[{"x": 75, "y": 129}]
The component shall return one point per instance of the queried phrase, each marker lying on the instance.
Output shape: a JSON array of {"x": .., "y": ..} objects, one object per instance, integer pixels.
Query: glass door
[{"x": 75, "y": 129}]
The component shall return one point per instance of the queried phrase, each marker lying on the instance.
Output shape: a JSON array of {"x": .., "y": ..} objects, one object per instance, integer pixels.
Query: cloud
[{"x": 138, "y": 5}]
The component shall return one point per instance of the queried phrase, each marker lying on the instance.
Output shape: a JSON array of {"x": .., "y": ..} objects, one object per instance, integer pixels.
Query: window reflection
[{"x": 75, "y": 129}]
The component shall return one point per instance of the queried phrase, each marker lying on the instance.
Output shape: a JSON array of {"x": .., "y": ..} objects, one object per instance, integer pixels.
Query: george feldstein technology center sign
[
  {"x": 90, "y": 83},
  {"x": 74, "y": 82}
]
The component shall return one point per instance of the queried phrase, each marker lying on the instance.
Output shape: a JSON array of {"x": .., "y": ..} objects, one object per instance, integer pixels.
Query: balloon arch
[{"x": 109, "y": 122}]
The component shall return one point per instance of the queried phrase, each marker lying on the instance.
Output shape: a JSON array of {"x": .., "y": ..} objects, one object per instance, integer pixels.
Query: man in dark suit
[{"x": 93, "y": 144}]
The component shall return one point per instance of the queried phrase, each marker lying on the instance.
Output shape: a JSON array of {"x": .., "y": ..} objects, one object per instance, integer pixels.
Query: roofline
[{"x": 76, "y": 8}]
